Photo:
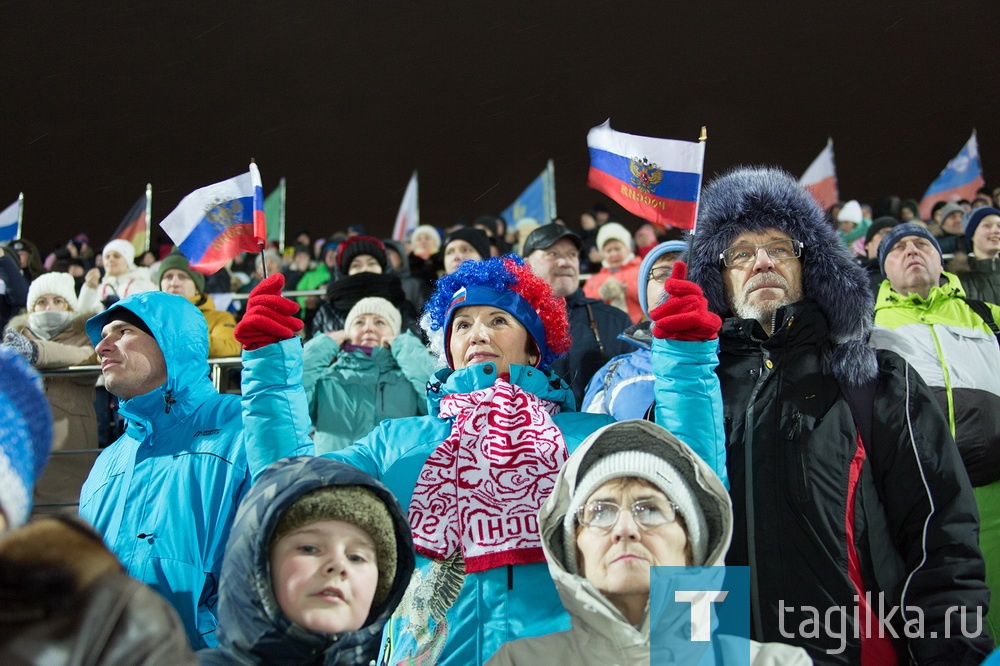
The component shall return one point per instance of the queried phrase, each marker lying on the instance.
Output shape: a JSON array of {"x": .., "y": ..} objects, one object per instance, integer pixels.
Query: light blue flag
[
  {"x": 10, "y": 220},
  {"x": 537, "y": 201}
]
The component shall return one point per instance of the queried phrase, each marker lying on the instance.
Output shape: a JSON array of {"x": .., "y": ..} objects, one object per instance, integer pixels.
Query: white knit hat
[
  {"x": 850, "y": 212},
  {"x": 430, "y": 232},
  {"x": 376, "y": 306},
  {"x": 658, "y": 472},
  {"x": 614, "y": 231},
  {"x": 60, "y": 284},
  {"x": 122, "y": 247}
]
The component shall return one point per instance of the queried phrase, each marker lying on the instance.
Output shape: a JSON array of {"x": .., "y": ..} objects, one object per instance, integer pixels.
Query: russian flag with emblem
[
  {"x": 213, "y": 224},
  {"x": 656, "y": 179},
  {"x": 960, "y": 179}
]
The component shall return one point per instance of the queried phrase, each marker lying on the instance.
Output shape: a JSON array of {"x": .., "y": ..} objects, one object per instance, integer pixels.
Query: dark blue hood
[{"x": 252, "y": 627}]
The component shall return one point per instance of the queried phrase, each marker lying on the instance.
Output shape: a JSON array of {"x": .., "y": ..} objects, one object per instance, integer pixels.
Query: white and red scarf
[{"x": 481, "y": 488}]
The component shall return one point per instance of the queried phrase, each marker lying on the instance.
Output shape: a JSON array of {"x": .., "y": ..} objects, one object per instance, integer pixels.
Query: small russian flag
[{"x": 213, "y": 224}]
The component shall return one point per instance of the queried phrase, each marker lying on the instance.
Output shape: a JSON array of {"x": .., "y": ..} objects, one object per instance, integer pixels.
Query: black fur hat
[{"x": 757, "y": 198}]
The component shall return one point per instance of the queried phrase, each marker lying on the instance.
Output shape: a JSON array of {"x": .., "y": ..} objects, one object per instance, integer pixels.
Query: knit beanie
[
  {"x": 651, "y": 468},
  {"x": 614, "y": 231},
  {"x": 851, "y": 212},
  {"x": 971, "y": 221},
  {"x": 177, "y": 261},
  {"x": 60, "y": 284},
  {"x": 477, "y": 238},
  {"x": 358, "y": 245},
  {"x": 358, "y": 506},
  {"x": 25, "y": 435},
  {"x": 122, "y": 247},
  {"x": 897, "y": 234},
  {"x": 880, "y": 223},
  {"x": 376, "y": 306},
  {"x": 431, "y": 233}
]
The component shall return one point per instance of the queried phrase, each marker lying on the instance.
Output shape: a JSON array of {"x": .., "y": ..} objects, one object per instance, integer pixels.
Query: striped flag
[
  {"x": 821, "y": 178},
  {"x": 10, "y": 220},
  {"x": 135, "y": 226},
  {"x": 960, "y": 179},
  {"x": 213, "y": 224},
  {"x": 656, "y": 179},
  {"x": 408, "y": 217}
]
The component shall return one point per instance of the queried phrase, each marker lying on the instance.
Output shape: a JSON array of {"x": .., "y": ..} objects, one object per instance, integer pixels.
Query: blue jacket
[
  {"x": 448, "y": 616},
  {"x": 252, "y": 627},
  {"x": 164, "y": 495},
  {"x": 623, "y": 387}
]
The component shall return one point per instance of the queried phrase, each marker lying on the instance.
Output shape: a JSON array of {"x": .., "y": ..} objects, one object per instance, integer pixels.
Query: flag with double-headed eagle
[
  {"x": 656, "y": 179},
  {"x": 960, "y": 179},
  {"x": 213, "y": 224}
]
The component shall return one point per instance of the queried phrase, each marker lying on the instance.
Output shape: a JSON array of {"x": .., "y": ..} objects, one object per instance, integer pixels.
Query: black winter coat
[{"x": 895, "y": 515}]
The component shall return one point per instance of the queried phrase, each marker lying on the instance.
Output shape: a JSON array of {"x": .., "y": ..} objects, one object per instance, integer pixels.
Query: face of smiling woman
[{"x": 487, "y": 334}]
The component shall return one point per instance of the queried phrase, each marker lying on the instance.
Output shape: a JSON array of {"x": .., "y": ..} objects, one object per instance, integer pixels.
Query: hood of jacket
[
  {"x": 544, "y": 384},
  {"x": 752, "y": 199},
  {"x": 591, "y": 611},
  {"x": 252, "y": 627},
  {"x": 647, "y": 266},
  {"x": 404, "y": 270},
  {"x": 182, "y": 334}
]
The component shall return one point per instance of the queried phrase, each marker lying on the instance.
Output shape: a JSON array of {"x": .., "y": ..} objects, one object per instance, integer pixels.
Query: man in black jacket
[
  {"x": 845, "y": 480},
  {"x": 553, "y": 253}
]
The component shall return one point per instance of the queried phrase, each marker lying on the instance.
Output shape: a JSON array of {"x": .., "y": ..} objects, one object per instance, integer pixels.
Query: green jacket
[
  {"x": 957, "y": 355},
  {"x": 349, "y": 393},
  {"x": 314, "y": 279}
]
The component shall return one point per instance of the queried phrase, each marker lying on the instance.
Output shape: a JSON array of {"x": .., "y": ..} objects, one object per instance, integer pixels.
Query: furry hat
[
  {"x": 971, "y": 221},
  {"x": 358, "y": 506},
  {"x": 614, "y": 231},
  {"x": 60, "y": 284},
  {"x": 376, "y": 306},
  {"x": 25, "y": 435},
  {"x": 122, "y": 247},
  {"x": 177, "y": 261},
  {"x": 510, "y": 285},
  {"x": 477, "y": 238},
  {"x": 355, "y": 247},
  {"x": 646, "y": 267},
  {"x": 898, "y": 233},
  {"x": 757, "y": 198}
]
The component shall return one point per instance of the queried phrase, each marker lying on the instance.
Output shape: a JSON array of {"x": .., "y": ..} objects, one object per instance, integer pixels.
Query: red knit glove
[
  {"x": 685, "y": 315},
  {"x": 270, "y": 317}
]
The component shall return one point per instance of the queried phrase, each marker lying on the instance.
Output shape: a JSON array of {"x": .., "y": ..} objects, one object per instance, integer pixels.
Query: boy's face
[{"x": 324, "y": 576}]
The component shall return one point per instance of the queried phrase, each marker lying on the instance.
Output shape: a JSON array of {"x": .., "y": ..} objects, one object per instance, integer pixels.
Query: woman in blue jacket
[{"x": 474, "y": 472}]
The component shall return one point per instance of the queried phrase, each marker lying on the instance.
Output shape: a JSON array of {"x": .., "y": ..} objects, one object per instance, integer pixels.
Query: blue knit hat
[
  {"x": 971, "y": 221},
  {"x": 898, "y": 233},
  {"x": 647, "y": 265},
  {"x": 25, "y": 435}
]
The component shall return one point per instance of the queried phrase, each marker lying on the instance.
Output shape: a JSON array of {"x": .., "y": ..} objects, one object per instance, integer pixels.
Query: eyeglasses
[
  {"x": 660, "y": 273},
  {"x": 647, "y": 513},
  {"x": 777, "y": 250}
]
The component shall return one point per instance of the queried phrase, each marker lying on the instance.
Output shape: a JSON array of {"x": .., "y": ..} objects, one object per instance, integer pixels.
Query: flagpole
[
  {"x": 550, "y": 174},
  {"x": 20, "y": 212},
  {"x": 259, "y": 205},
  {"x": 702, "y": 138},
  {"x": 281, "y": 216},
  {"x": 149, "y": 214}
]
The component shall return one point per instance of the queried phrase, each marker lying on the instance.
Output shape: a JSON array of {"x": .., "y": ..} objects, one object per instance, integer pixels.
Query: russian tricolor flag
[
  {"x": 10, "y": 220},
  {"x": 656, "y": 179},
  {"x": 213, "y": 224},
  {"x": 960, "y": 179}
]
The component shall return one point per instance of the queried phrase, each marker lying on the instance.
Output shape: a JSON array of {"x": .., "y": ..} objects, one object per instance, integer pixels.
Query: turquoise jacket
[
  {"x": 450, "y": 617},
  {"x": 164, "y": 495},
  {"x": 349, "y": 393}
]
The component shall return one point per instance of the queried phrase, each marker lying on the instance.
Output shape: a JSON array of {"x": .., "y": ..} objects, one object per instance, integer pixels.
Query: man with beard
[{"x": 848, "y": 491}]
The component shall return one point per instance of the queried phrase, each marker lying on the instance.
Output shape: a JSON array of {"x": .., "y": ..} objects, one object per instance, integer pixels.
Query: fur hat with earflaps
[{"x": 758, "y": 198}]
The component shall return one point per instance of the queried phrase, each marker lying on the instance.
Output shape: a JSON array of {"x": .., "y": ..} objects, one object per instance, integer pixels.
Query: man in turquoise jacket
[{"x": 165, "y": 494}]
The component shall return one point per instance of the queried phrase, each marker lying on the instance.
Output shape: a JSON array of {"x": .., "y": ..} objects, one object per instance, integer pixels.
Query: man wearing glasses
[{"x": 849, "y": 495}]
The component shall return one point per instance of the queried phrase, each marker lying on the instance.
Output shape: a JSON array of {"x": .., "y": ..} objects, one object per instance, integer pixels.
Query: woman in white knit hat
[
  {"x": 51, "y": 335},
  {"x": 356, "y": 377},
  {"x": 121, "y": 278},
  {"x": 632, "y": 497},
  {"x": 617, "y": 283}
]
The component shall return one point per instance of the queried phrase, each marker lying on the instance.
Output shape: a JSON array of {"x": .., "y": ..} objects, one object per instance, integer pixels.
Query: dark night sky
[{"x": 345, "y": 99}]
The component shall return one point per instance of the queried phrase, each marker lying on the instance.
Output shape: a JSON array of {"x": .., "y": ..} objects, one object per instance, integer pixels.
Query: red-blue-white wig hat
[{"x": 505, "y": 283}]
